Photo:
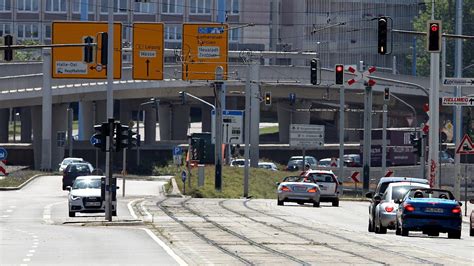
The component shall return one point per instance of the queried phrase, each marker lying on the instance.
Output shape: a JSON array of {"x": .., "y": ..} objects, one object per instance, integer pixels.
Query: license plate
[
  {"x": 435, "y": 210},
  {"x": 93, "y": 204},
  {"x": 324, "y": 188},
  {"x": 300, "y": 189}
]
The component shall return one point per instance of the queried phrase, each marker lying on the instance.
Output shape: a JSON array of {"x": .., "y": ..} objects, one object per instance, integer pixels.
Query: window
[
  {"x": 172, "y": 6},
  {"x": 56, "y": 6},
  {"x": 145, "y": 8},
  {"x": 27, "y": 5},
  {"x": 234, "y": 37},
  {"x": 5, "y": 28},
  {"x": 27, "y": 31},
  {"x": 232, "y": 6},
  {"x": 5, "y": 5},
  {"x": 76, "y": 6},
  {"x": 173, "y": 33},
  {"x": 200, "y": 7},
  {"x": 120, "y": 6},
  {"x": 47, "y": 31}
]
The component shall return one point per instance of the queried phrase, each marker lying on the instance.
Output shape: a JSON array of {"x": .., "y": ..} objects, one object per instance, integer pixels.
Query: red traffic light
[
  {"x": 434, "y": 27},
  {"x": 339, "y": 68}
]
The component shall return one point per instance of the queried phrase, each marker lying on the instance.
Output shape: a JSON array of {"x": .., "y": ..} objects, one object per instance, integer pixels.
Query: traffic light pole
[
  {"x": 341, "y": 131},
  {"x": 433, "y": 156},
  {"x": 367, "y": 136},
  {"x": 384, "y": 137},
  {"x": 108, "y": 170},
  {"x": 423, "y": 155}
]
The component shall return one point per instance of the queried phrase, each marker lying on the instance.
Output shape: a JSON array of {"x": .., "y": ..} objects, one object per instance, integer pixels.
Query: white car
[
  {"x": 268, "y": 165},
  {"x": 85, "y": 196},
  {"x": 326, "y": 162},
  {"x": 67, "y": 161},
  {"x": 329, "y": 185}
]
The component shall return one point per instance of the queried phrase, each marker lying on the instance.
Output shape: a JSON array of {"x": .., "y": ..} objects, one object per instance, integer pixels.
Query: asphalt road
[{"x": 35, "y": 229}]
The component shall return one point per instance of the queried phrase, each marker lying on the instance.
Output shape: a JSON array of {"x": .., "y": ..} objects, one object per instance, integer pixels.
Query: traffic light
[
  {"x": 382, "y": 35},
  {"x": 268, "y": 98},
  {"x": 416, "y": 143},
  {"x": 434, "y": 36},
  {"x": 182, "y": 96},
  {"x": 99, "y": 139},
  {"x": 386, "y": 94},
  {"x": 132, "y": 140},
  {"x": 104, "y": 44},
  {"x": 8, "y": 52},
  {"x": 121, "y": 136},
  {"x": 314, "y": 71},
  {"x": 339, "y": 74},
  {"x": 88, "y": 50}
]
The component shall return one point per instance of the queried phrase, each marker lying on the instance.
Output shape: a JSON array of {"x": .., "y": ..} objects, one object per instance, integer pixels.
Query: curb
[
  {"x": 175, "y": 192},
  {"x": 22, "y": 185}
]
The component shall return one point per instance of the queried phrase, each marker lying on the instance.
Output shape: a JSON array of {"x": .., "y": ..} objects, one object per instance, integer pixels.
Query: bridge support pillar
[
  {"x": 165, "y": 113},
  {"x": 206, "y": 118},
  {"x": 180, "y": 122},
  {"x": 100, "y": 111},
  {"x": 150, "y": 125},
  {"x": 59, "y": 124},
  {"x": 125, "y": 112},
  {"x": 353, "y": 120},
  {"x": 37, "y": 121},
  {"x": 86, "y": 126},
  {"x": 25, "y": 117},
  {"x": 284, "y": 117},
  {"x": 4, "y": 117}
]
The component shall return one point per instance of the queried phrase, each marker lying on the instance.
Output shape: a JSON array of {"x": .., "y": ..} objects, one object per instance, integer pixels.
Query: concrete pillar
[
  {"x": 353, "y": 120},
  {"x": 59, "y": 119},
  {"x": 36, "y": 119},
  {"x": 164, "y": 113},
  {"x": 87, "y": 115},
  {"x": 150, "y": 125},
  {"x": 206, "y": 117},
  {"x": 284, "y": 112},
  {"x": 25, "y": 117},
  {"x": 4, "y": 118},
  {"x": 180, "y": 122},
  {"x": 125, "y": 111}
]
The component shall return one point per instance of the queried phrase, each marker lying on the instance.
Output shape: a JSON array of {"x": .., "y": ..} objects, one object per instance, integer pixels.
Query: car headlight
[{"x": 72, "y": 197}]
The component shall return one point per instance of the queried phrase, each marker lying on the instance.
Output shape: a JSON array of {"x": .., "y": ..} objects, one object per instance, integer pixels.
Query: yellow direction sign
[
  {"x": 204, "y": 49},
  {"x": 68, "y": 62},
  {"x": 148, "y": 51}
]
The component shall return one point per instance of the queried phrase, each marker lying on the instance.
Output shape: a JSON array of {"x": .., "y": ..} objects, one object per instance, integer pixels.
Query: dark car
[
  {"x": 471, "y": 230},
  {"x": 431, "y": 211},
  {"x": 376, "y": 196},
  {"x": 74, "y": 170}
]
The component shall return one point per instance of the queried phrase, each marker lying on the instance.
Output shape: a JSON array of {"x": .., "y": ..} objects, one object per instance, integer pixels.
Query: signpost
[
  {"x": 183, "y": 178},
  {"x": 232, "y": 126},
  {"x": 305, "y": 136},
  {"x": 68, "y": 62},
  {"x": 177, "y": 155},
  {"x": 205, "y": 47},
  {"x": 458, "y": 101},
  {"x": 3, "y": 157},
  {"x": 466, "y": 146},
  {"x": 148, "y": 50},
  {"x": 458, "y": 82},
  {"x": 355, "y": 178}
]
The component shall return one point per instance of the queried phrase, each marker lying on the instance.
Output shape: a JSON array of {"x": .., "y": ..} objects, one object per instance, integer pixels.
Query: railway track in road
[
  {"x": 412, "y": 259},
  {"x": 172, "y": 212}
]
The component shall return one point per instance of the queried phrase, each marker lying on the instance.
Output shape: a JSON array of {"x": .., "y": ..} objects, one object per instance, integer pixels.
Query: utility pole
[
  {"x": 70, "y": 117},
  {"x": 110, "y": 112},
  {"x": 367, "y": 135},
  {"x": 458, "y": 112},
  {"x": 384, "y": 135},
  {"x": 108, "y": 164},
  {"x": 218, "y": 146},
  {"x": 341, "y": 131}
]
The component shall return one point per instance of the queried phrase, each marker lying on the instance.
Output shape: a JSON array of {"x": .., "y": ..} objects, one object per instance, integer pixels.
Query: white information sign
[
  {"x": 149, "y": 54},
  {"x": 306, "y": 136},
  {"x": 71, "y": 67},
  {"x": 208, "y": 52},
  {"x": 458, "y": 82},
  {"x": 232, "y": 126},
  {"x": 465, "y": 101}
]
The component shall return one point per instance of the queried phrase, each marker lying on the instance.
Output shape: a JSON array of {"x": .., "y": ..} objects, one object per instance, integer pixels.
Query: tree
[{"x": 445, "y": 10}]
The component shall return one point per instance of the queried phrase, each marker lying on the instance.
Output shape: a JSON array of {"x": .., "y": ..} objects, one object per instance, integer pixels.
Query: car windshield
[
  {"x": 399, "y": 191},
  {"x": 295, "y": 162},
  {"x": 80, "y": 168},
  {"x": 86, "y": 183},
  {"x": 430, "y": 193},
  {"x": 322, "y": 177},
  {"x": 297, "y": 179},
  {"x": 324, "y": 163}
]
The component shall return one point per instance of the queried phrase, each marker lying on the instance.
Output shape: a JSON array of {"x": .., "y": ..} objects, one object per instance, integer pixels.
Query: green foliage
[
  {"x": 445, "y": 10},
  {"x": 28, "y": 55}
]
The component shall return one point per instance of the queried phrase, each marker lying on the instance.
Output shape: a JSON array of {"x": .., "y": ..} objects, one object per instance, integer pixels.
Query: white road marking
[
  {"x": 26, "y": 259},
  {"x": 29, "y": 255},
  {"x": 9, "y": 211},
  {"x": 47, "y": 212},
  {"x": 130, "y": 208},
  {"x": 31, "y": 251},
  {"x": 165, "y": 247},
  {"x": 5, "y": 216},
  {"x": 12, "y": 207},
  {"x": 149, "y": 217}
]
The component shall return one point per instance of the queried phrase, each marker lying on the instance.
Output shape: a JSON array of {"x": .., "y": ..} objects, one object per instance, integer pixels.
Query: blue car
[{"x": 431, "y": 211}]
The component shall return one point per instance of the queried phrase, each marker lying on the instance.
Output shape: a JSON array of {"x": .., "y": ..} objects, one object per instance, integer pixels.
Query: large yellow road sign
[
  {"x": 148, "y": 51},
  {"x": 205, "y": 48},
  {"x": 68, "y": 62}
]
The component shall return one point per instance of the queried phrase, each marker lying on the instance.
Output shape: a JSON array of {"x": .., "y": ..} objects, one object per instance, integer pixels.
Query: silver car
[
  {"x": 298, "y": 189},
  {"x": 386, "y": 210}
]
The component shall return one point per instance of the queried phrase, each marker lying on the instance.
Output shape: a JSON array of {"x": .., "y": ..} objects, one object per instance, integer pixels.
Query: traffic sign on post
[
  {"x": 463, "y": 101},
  {"x": 232, "y": 124},
  {"x": 148, "y": 50},
  {"x": 306, "y": 136},
  {"x": 205, "y": 47},
  {"x": 3, "y": 153},
  {"x": 466, "y": 146},
  {"x": 68, "y": 62},
  {"x": 458, "y": 82}
]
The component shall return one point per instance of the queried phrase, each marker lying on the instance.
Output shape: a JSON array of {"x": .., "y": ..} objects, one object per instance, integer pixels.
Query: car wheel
[
  {"x": 371, "y": 227},
  {"x": 280, "y": 202},
  {"x": 405, "y": 232},
  {"x": 397, "y": 230},
  {"x": 455, "y": 234},
  {"x": 335, "y": 203},
  {"x": 316, "y": 204},
  {"x": 72, "y": 214},
  {"x": 382, "y": 230}
]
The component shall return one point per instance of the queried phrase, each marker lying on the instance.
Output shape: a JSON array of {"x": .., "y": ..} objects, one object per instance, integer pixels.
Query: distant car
[
  {"x": 471, "y": 229},
  {"x": 308, "y": 160},
  {"x": 85, "y": 196},
  {"x": 376, "y": 196},
  {"x": 268, "y": 165},
  {"x": 298, "y": 189},
  {"x": 294, "y": 165},
  {"x": 326, "y": 162},
  {"x": 73, "y": 170},
  {"x": 329, "y": 185},
  {"x": 67, "y": 161},
  {"x": 386, "y": 210},
  {"x": 238, "y": 162},
  {"x": 352, "y": 160},
  {"x": 431, "y": 211}
]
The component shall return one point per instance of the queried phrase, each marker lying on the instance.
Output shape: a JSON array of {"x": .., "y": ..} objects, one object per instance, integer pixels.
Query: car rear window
[
  {"x": 322, "y": 177},
  {"x": 400, "y": 191},
  {"x": 81, "y": 168},
  {"x": 86, "y": 183}
]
